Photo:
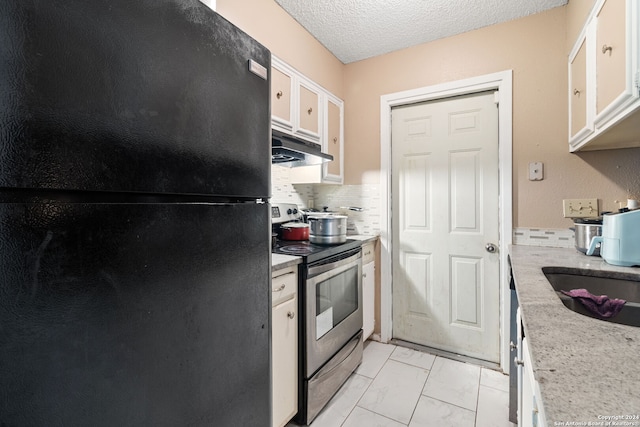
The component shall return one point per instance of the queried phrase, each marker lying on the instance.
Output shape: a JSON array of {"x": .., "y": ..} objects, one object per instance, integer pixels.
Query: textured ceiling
[{"x": 357, "y": 29}]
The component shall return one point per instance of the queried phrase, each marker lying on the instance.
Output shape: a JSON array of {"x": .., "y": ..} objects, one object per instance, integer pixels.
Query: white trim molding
[
  {"x": 502, "y": 82},
  {"x": 210, "y": 3}
]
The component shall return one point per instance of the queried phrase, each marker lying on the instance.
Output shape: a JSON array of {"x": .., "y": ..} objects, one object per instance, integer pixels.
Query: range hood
[{"x": 287, "y": 150}]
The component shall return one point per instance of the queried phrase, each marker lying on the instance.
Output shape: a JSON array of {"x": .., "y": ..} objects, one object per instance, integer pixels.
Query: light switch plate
[
  {"x": 536, "y": 171},
  {"x": 580, "y": 208}
]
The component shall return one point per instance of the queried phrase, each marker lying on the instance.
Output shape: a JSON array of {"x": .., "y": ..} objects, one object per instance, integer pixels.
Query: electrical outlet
[{"x": 580, "y": 208}]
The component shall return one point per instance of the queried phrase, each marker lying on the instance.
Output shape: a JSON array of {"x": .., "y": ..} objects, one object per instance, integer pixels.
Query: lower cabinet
[
  {"x": 530, "y": 411},
  {"x": 284, "y": 345},
  {"x": 368, "y": 289}
]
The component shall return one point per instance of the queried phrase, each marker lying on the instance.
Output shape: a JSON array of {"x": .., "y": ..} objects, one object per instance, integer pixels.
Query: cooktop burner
[
  {"x": 298, "y": 249},
  {"x": 311, "y": 252}
]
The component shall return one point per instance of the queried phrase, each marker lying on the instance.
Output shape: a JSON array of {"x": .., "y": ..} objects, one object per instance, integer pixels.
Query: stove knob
[
  {"x": 295, "y": 211},
  {"x": 289, "y": 211}
]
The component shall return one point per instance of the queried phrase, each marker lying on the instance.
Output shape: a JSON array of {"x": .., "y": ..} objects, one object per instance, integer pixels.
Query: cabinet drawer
[
  {"x": 368, "y": 253},
  {"x": 284, "y": 285}
]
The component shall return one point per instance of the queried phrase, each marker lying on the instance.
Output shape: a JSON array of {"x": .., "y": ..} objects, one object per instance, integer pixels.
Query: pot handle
[{"x": 594, "y": 244}]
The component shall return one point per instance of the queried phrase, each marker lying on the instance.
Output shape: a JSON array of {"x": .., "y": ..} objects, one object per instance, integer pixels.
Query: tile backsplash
[
  {"x": 555, "y": 238},
  {"x": 282, "y": 191},
  {"x": 367, "y": 197},
  {"x": 334, "y": 197}
]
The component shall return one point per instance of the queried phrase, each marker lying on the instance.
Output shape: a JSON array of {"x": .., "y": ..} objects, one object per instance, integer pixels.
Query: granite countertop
[{"x": 586, "y": 368}]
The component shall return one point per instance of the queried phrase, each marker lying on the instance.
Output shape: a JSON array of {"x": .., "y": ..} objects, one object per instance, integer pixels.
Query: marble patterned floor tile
[
  {"x": 494, "y": 379},
  {"x": 361, "y": 417},
  {"x": 493, "y": 408},
  {"x": 395, "y": 391},
  {"x": 453, "y": 382},
  {"x": 374, "y": 357},
  {"x": 413, "y": 357},
  {"x": 435, "y": 413},
  {"x": 341, "y": 405}
]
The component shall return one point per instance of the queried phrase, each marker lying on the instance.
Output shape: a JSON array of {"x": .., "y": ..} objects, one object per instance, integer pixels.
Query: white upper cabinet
[
  {"x": 604, "y": 102},
  {"x": 296, "y": 103},
  {"x": 304, "y": 109}
]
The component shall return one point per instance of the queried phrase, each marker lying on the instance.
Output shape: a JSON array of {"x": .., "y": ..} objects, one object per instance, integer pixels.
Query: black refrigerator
[{"x": 134, "y": 216}]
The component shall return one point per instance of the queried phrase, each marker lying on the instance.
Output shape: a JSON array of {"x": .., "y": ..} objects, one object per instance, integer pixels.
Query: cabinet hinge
[
  {"x": 496, "y": 97},
  {"x": 637, "y": 80}
]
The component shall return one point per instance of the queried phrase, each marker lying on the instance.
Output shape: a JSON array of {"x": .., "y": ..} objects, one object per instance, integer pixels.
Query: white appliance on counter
[{"x": 620, "y": 240}]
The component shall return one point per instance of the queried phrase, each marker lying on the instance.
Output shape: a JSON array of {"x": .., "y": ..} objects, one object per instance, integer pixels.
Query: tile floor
[{"x": 396, "y": 386}]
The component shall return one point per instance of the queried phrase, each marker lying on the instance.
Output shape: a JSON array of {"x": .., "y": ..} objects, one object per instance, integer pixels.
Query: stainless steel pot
[
  {"x": 327, "y": 229},
  {"x": 584, "y": 231}
]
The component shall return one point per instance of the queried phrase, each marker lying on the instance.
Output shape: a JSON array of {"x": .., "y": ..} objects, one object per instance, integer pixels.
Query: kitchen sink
[{"x": 624, "y": 286}]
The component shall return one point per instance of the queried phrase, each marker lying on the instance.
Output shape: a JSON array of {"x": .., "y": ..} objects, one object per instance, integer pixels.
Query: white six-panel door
[{"x": 445, "y": 213}]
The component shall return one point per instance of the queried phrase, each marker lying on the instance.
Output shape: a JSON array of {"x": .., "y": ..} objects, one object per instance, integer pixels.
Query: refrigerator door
[
  {"x": 137, "y": 96},
  {"x": 139, "y": 315}
]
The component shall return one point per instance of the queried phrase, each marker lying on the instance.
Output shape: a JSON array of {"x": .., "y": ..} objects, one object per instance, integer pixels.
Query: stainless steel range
[{"x": 330, "y": 290}]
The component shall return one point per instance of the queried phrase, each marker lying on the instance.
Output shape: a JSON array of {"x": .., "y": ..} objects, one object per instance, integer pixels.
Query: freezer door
[
  {"x": 138, "y": 315},
  {"x": 120, "y": 95}
]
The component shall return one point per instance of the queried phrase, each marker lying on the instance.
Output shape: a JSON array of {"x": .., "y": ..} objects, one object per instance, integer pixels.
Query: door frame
[{"x": 503, "y": 83}]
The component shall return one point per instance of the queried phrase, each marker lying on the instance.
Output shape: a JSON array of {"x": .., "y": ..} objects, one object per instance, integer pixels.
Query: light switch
[{"x": 536, "y": 171}]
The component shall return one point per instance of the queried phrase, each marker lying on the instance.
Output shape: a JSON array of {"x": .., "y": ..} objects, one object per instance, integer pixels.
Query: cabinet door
[
  {"x": 527, "y": 388},
  {"x": 368, "y": 299},
  {"x": 611, "y": 70},
  {"x": 309, "y": 110},
  {"x": 281, "y": 98},
  {"x": 334, "y": 145},
  {"x": 578, "y": 92},
  {"x": 284, "y": 331}
]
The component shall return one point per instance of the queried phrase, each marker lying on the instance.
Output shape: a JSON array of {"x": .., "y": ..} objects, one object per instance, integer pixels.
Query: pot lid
[
  {"x": 295, "y": 225},
  {"x": 325, "y": 215}
]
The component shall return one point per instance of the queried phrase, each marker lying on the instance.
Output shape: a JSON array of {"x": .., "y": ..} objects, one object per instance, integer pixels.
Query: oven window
[{"x": 336, "y": 299}]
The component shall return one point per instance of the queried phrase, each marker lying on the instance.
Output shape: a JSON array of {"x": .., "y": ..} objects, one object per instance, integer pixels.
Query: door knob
[{"x": 491, "y": 248}]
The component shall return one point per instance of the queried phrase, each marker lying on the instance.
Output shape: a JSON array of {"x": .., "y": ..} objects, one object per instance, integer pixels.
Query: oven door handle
[
  {"x": 328, "y": 370},
  {"x": 319, "y": 269}
]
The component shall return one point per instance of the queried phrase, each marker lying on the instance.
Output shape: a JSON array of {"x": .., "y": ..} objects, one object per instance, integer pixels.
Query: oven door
[{"x": 333, "y": 307}]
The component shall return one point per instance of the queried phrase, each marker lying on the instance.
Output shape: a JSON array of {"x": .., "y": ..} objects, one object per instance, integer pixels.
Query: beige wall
[
  {"x": 267, "y": 22},
  {"x": 535, "y": 48},
  {"x": 577, "y": 13}
]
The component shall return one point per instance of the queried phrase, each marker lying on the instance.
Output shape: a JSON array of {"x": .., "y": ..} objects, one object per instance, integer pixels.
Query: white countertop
[
  {"x": 365, "y": 238},
  {"x": 586, "y": 368},
  {"x": 279, "y": 261}
]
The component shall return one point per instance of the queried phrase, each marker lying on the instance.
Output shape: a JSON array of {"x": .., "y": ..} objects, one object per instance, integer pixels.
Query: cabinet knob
[
  {"x": 512, "y": 346},
  {"x": 518, "y": 361},
  {"x": 279, "y": 95},
  {"x": 291, "y": 314},
  {"x": 309, "y": 111},
  {"x": 576, "y": 92},
  {"x": 281, "y": 288},
  {"x": 606, "y": 48},
  {"x": 335, "y": 140}
]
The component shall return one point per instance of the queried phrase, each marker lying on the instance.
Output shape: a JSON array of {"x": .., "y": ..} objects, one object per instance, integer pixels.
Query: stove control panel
[{"x": 284, "y": 212}]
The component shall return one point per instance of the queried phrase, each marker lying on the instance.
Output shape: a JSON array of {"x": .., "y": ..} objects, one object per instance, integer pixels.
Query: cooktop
[{"x": 311, "y": 252}]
